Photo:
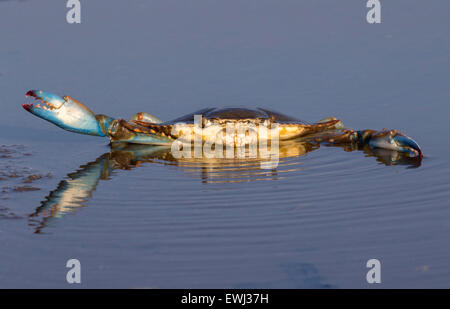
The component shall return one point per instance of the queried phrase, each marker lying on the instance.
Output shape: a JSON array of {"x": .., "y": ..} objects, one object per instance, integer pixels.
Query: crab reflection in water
[{"x": 74, "y": 192}]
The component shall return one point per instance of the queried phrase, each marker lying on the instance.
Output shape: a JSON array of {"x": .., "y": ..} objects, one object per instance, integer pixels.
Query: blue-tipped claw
[
  {"x": 397, "y": 141},
  {"x": 408, "y": 145},
  {"x": 65, "y": 112}
]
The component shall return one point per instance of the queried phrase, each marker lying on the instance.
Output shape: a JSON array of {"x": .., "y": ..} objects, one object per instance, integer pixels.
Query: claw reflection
[{"x": 73, "y": 192}]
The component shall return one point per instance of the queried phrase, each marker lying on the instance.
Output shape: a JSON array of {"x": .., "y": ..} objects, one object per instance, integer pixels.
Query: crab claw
[
  {"x": 397, "y": 141},
  {"x": 65, "y": 112}
]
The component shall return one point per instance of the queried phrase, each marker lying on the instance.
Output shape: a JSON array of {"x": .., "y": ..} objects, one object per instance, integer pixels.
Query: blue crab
[{"x": 144, "y": 128}]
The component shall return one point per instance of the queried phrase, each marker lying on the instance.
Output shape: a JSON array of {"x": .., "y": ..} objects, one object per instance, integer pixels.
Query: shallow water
[{"x": 314, "y": 221}]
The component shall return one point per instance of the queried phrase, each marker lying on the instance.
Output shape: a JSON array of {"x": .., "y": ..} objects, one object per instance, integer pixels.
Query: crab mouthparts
[{"x": 43, "y": 104}]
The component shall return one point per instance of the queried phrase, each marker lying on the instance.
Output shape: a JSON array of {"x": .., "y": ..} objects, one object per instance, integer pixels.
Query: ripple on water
[{"x": 205, "y": 211}]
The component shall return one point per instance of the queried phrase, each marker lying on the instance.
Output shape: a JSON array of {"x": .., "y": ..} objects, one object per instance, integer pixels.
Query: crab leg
[{"x": 385, "y": 139}]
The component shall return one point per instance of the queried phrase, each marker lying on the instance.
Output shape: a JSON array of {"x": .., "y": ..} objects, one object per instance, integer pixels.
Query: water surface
[{"x": 311, "y": 223}]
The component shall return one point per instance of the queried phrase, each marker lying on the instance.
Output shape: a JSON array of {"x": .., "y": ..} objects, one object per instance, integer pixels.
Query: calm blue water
[{"x": 313, "y": 222}]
